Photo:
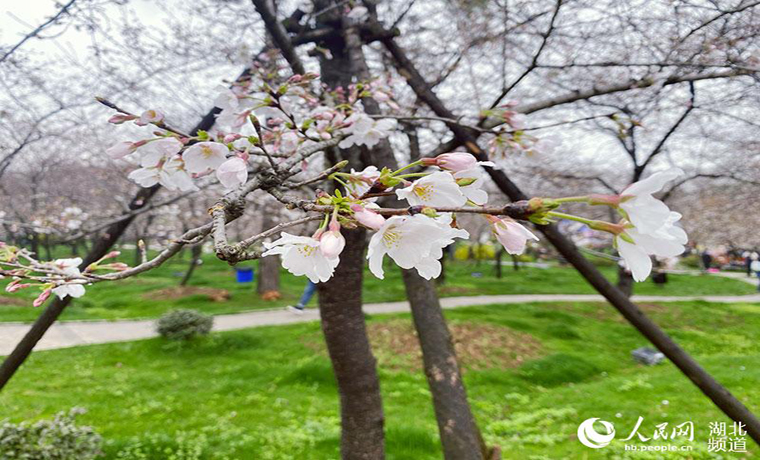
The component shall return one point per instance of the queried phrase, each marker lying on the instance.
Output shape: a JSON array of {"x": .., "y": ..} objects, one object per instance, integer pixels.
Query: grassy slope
[
  {"x": 265, "y": 393},
  {"x": 126, "y": 299}
]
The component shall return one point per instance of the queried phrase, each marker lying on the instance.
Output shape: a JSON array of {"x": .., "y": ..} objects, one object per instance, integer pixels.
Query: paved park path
[{"x": 74, "y": 333}]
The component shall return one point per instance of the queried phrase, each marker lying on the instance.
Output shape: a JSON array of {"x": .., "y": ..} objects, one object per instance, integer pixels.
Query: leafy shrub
[
  {"x": 57, "y": 439},
  {"x": 475, "y": 251},
  {"x": 184, "y": 324}
]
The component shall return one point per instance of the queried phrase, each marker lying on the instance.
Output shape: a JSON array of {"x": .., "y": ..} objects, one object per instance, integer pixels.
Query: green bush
[
  {"x": 184, "y": 324},
  {"x": 57, "y": 439}
]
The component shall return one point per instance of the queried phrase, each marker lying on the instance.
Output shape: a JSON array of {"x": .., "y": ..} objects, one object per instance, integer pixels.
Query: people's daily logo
[{"x": 589, "y": 437}]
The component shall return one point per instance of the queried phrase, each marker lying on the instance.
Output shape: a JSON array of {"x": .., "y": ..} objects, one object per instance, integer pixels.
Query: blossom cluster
[
  {"x": 254, "y": 123},
  {"x": 411, "y": 241}
]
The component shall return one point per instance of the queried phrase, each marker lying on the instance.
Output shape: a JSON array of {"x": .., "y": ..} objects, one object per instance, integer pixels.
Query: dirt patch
[
  {"x": 179, "y": 292},
  {"x": 14, "y": 302},
  {"x": 478, "y": 346}
]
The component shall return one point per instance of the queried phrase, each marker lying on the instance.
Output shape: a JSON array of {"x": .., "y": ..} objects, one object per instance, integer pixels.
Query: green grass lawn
[
  {"x": 138, "y": 297},
  {"x": 533, "y": 373}
]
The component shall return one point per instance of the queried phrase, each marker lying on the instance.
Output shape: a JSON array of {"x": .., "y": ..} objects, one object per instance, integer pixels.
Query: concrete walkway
[{"x": 74, "y": 333}]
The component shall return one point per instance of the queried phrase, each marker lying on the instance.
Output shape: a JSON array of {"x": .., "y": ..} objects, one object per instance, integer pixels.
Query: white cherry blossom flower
[
  {"x": 71, "y": 290},
  {"x": 644, "y": 211},
  {"x": 412, "y": 242},
  {"x": 361, "y": 181},
  {"x": 203, "y": 156},
  {"x": 70, "y": 268},
  {"x": 436, "y": 189},
  {"x": 232, "y": 173},
  {"x": 157, "y": 151},
  {"x": 148, "y": 117},
  {"x": 366, "y": 131},
  {"x": 474, "y": 190},
  {"x": 667, "y": 241},
  {"x": 175, "y": 176},
  {"x": 301, "y": 256},
  {"x": 512, "y": 235}
]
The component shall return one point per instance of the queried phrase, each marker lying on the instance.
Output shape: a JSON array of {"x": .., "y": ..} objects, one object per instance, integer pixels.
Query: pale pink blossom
[
  {"x": 331, "y": 242},
  {"x": 150, "y": 116},
  {"x": 203, "y": 156},
  {"x": 644, "y": 211},
  {"x": 436, "y": 189},
  {"x": 512, "y": 235},
  {"x": 366, "y": 217},
  {"x": 121, "y": 149},
  {"x": 412, "y": 242},
  {"x": 232, "y": 173},
  {"x": 301, "y": 256}
]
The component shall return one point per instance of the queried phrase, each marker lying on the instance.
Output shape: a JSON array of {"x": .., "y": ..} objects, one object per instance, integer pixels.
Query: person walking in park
[{"x": 308, "y": 293}]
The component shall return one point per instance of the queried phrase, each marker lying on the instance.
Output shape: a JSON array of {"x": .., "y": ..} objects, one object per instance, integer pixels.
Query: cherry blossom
[
  {"x": 331, "y": 242},
  {"x": 203, "y": 156},
  {"x": 412, "y": 242},
  {"x": 122, "y": 149},
  {"x": 667, "y": 241},
  {"x": 148, "y": 117},
  {"x": 365, "y": 216},
  {"x": 232, "y": 173},
  {"x": 156, "y": 151},
  {"x": 470, "y": 183},
  {"x": 289, "y": 142},
  {"x": 361, "y": 181},
  {"x": 366, "y": 131},
  {"x": 301, "y": 256},
  {"x": 644, "y": 211},
  {"x": 69, "y": 268},
  {"x": 436, "y": 189},
  {"x": 512, "y": 235}
]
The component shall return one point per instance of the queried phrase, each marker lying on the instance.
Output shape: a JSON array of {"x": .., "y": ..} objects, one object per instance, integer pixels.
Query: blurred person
[
  {"x": 308, "y": 293},
  {"x": 755, "y": 267}
]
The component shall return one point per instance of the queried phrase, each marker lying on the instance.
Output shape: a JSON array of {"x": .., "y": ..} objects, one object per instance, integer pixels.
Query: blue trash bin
[{"x": 244, "y": 275}]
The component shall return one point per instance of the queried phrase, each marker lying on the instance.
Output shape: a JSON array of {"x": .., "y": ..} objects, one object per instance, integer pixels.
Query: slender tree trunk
[
  {"x": 340, "y": 307},
  {"x": 625, "y": 281},
  {"x": 460, "y": 436},
  {"x": 515, "y": 263},
  {"x": 499, "y": 254},
  {"x": 268, "y": 281},
  {"x": 195, "y": 259}
]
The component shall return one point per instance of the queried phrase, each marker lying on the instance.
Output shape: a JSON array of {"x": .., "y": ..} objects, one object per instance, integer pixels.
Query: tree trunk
[
  {"x": 515, "y": 263},
  {"x": 460, "y": 437},
  {"x": 268, "y": 281},
  {"x": 340, "y": 307},
  {"x": 195, "y": 258},
  {"x": 499, "y": 254},
  {"x": 625, "y": 281}
]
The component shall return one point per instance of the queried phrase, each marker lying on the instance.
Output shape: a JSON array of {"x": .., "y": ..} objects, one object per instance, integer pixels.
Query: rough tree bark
[
  {"x": 340, "y": 298},
  {"x": 459, "y": 432}
]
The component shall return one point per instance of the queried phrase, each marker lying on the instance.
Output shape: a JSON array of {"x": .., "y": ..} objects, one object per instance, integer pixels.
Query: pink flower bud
[
  {"x": 331, "y": 243},
  {"x": 42, "y": 297},
  {"x": 325, "y": 135},
  {"x": 121, "y": 150},
  {"x": 15, "y": 285},
  {"x": 111, "y": 255},
  {"x": 367, "y": 218},
  {"x": 120, "y": 118},
  {"x": 511, "y": 235},
  {"x": 456, "y": 161}
]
